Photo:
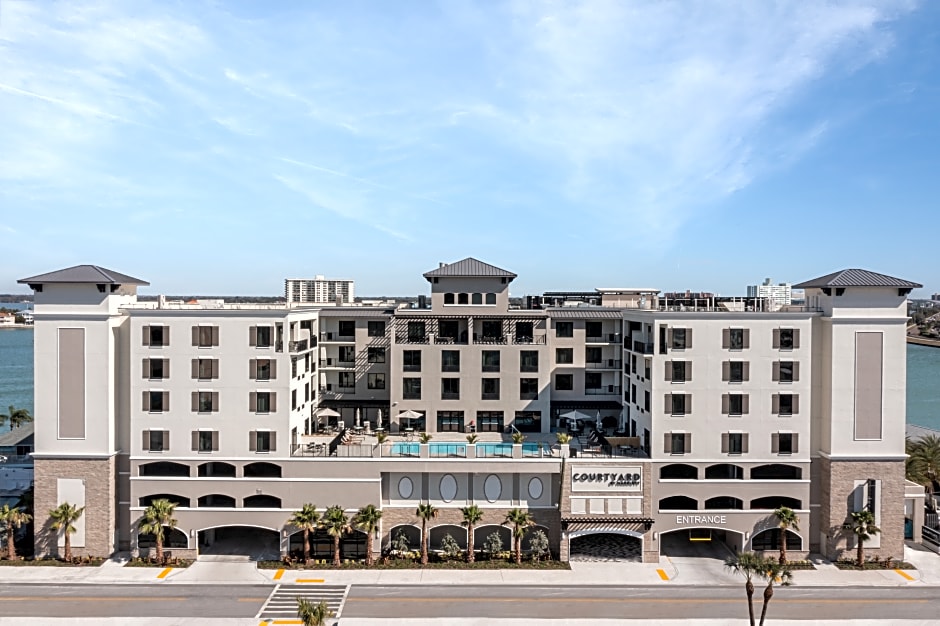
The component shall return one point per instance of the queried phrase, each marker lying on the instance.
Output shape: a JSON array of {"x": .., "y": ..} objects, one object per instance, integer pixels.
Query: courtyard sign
[{"x": 607, "y": 479}]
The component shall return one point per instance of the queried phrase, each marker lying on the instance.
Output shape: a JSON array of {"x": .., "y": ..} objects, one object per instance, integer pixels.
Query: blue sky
[{"x": 220, "y": 147}]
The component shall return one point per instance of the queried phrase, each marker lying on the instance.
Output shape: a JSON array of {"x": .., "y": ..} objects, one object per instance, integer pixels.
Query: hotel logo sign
[{"x": 607, "y": 479}]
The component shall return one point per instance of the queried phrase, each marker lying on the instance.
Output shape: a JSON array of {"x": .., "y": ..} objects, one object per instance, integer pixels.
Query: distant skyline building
[
  {"x": 780, "y": 294},
  {"x": 319, "y": 290}
]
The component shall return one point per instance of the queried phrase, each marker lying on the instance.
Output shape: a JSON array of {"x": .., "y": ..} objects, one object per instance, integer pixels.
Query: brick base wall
[{"x": 99, "y": 516}]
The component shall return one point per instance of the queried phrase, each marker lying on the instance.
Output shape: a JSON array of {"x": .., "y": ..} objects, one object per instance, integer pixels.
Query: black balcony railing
[
  {"x": 643, "y": 348},
  {"x": 605, "y": 390},
  {"x": 298, "y": 346}
]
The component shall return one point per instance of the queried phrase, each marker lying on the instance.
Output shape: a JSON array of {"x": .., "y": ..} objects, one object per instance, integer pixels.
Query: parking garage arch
[{"x": 258, "y": 543}]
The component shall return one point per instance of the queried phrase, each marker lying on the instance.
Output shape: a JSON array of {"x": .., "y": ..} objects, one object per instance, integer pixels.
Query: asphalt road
[{"x": 533, "y": 602}]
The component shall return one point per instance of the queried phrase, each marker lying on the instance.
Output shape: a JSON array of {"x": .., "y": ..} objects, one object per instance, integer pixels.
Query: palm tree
[
  {"x": 471, "y": 517},
  {"x": 786, "y": 519},
  {"x": 748, "y": 565},
  {"x": 518, "y": 437},
  {"x": 313, "y": 614},
  {"x": 425, "y": 512},
  {"x": 306, "y": 519},
  {"x": 157, "y": 516},
  {"x": 863, "y": 527},
  {"x": 367, "y": 520},
  {"x": 16, "y": 417},
  {"x": 13, "y": 518},
  {"x": 773, "y": 571},
  {"x": 472, "y": 438},
  {"x": 923, "y": 462},
  {"x": 520, "y": 520},
  {"x": 64, "y": 517},
  {"x": 425, "y": 437},
  {"x": 337, "y": 524}
]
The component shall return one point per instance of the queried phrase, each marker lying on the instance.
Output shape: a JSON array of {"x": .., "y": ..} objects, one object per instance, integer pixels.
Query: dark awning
[
  {"x": 605, "y": 524},
  {"x": 594, "y": 405}
]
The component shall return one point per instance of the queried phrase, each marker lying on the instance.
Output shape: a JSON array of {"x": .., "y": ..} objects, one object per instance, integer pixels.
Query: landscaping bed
[
  {"x": 320, "y": 564},
  {"x": 173, "y": 562},
  {"x": 796, "y": 566},
  {"x": 85, "y": 561},
  {"x": 874, "y": 565}
]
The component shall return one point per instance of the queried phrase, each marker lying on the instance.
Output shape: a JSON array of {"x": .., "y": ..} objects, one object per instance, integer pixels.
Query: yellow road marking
[
  {"x": 904, "y": 574},
  {"x": 165, "y": 572},
  {"x": 278, "y": 574},
  {"x": 662, "y": 574},
  {"x": 309, "y": 580},
  {"x": 286, "y": 621}
]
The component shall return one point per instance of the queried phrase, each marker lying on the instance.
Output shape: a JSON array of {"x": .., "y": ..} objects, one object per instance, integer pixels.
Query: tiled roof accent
[
  {"x": 84, "y": 274},
  {"x": 469, "y": 267},
  {"x": 577, "y": 312},
  {"x": 857, "y": 278}
]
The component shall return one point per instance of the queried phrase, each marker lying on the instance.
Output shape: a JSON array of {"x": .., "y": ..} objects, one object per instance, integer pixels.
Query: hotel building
[
  {"x": 319, "y": 290},
  {"x": 725, "y": 411}
]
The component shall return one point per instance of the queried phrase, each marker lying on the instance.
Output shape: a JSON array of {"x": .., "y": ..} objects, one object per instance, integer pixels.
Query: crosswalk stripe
[{"x": 282, "y": 603}]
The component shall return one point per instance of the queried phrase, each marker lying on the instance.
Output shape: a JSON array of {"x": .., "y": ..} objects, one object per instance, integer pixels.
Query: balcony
[
  {"x": 538, "y": 340},
  {"x": 331, "y": 337},
  {"x": 298, "y": 346},
  {"x": 336, "y": 364},
  {"x": 642, "y": 348},
  {"x": 606, "y": 390},
  {"x": 406, "y": 338},
  {"x": 450, "y": 340},
  {"x": 490, "y": 339},
  {"x": 604, "y": 364},
  {"x": 603, "y": 338}
]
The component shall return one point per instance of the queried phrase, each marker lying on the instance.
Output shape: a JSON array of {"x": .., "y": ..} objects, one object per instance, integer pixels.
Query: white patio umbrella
[
  {"x": 327, "y": 413},
  {"x": 577, "y": 415},
  {"x": 408, "y": 415},
  {"x": 358, "y": 417},
  {"x": 378, "y": 418}
]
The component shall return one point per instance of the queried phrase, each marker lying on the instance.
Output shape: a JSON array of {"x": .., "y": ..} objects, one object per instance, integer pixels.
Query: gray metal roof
[
  {"x": 578, "y": 312},
  {"x": 377, "y": 311},
  {"x": 17, "y": 436},
  {"x": 857, "y": 278},
  {"x": 469, "y": 267},
  {"x": 84, "y": 274}
]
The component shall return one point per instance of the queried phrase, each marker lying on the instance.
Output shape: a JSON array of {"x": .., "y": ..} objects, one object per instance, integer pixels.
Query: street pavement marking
[
  {"x": 278, "y": 574},
  {"x": 90, "y": 599},
  {"x": 662, "y": 574},
  {"x": 904, "y": 574},
  {"x": 309, "y": 580},
  {"x": 165, "y": 572},
  {"x": 287, "y": 621},
  {"x": 642, "y": 600}
]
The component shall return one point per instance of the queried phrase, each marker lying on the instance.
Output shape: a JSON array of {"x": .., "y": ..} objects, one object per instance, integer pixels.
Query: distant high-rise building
[
  {"x": 780, "y": 294},
  {"x": 319, "y": 290}
]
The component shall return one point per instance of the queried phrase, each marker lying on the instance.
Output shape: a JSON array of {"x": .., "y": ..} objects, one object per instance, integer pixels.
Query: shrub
[{"x": 492, "y": 545}]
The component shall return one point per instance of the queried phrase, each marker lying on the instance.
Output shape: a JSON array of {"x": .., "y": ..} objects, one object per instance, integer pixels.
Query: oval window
[
  {"x": 448, "y": 488},
  {"x": 535, "y": 488},
  {"x": 492, "y": 488},
  {"x": 405, "y": 487}
]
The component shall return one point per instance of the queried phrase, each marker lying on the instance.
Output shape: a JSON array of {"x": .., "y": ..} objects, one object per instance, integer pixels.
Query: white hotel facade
[{"x": 728, "y": 413}]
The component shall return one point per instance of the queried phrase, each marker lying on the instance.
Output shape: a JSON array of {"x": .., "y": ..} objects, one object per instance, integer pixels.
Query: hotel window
[
  {"x": 293, "y": 399},
  {"x": 411, "y": 360},
  {"x": 476, "y": 299},
  {"x": 633, "y": 393},
  {"x": 647, "y": 368},
  {"x": 785, "y": 404},
  {"x": 260, "y": 336},
  {"x": 462, "y": 298},
  {"x": 156, "y": 336},
  {"x": 205, "y": 336},
  {"x": 564, "y": 382},
  {"x": 416, "y": 331},
  {"x": 734, "y": 443},
  {"x": 205, "y": 401},
  {"x": 347, "y": 354},
  {"x": 524, "y": 332},
  {"x": 205, "y": 369},
  {"x": 678, "y": 371},
  {"x": 564, "y": 329},
  {"x": 678, "y": 404},
  {"x": 490, "y": 389},
  {"x": 491, "y": 360},
  {"x": 528, "y": 421},
  {"x": 736, "y": 338},
  {"x": 263, "y": 369},
  {"x": 376, "y": 329},
  {"x": 261, "y": 441},
  {"x": 205, "y": 441},
  {"x": 528, "y": 388},
  {"x": 449, "y": 330},
  {"x": 735, "y": 371},
  {"x": 450, "y": 421},
  {"x": 593, "y": 330},
  {"x": 450, "y": 389},
  {"x": 156, "y": 369},
  {"x": 376, "y": 355},
  {"x": 680, "y": 338},
  {"x": 490, "y": 421},
  {"x": 784, "y": 443},
  {"x": 678, "y": 443},
  {"x": 592, "y": 380},
  {"x": 448, "y": 298},
  {"x": 491, "y": 298},
  {"x": 646, "y": 401},
  {"x": 293, "y": 366},
  {"x": 450, "y": 360},
  {"x": 347, "y": 328},
  {"x": 492, "y": 330},
  {"x": 528, "y": 361},
  {"x": 786, "y": 371},
  {"x": 156, "y": 440},
  {"x": 347, "y": 380},
  {"x": 262, "y": 402},
  {"x": 411, "y": 388},
  {"x": 564, "y": 356},
  {"x": 735, "y": 404},
  {"x": 786, "y": 338},
  {"x": 593, "y": 355},
  {"x": 156, "y": 401},
  {"x": 376, "y": 381}
]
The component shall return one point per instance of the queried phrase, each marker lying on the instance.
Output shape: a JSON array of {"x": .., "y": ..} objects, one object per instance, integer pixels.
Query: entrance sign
[
  {"x": 701, "y": 519},
  {"x": 607, "y": 479}
]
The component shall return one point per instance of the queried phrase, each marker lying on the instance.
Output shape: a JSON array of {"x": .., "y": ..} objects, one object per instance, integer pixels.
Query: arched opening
[
  {"x": 173, "y": 538},
  {"x": 701, "y": 542},
  {"x": 180, "y": 501},
  {"x": 678, "y": 503},
  {"x": 352, "y": 545},
  {"x": 240, "y": 543},
  {"x": 724, "y": 471},
  {"x": 769, "y": 540},
  {"x": 436, "y": 536},
  {"x": 775, "y": 502},
  {"x": 216, "y": 500},
  {"x": 776, "y": 471},
  {"x": 678, "y": 471},
  {"x": 405, "y": 537},
  {"x": 262, "y": 470},
  {"x": 605, "y": 547},
  {"x": 481, "y": 533},
  {"x": 262, "y": 501},
  {"x": 163, "y": 468},
  {"x": 217, "y": 469},
  {"x": 724, "y": 502}
]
